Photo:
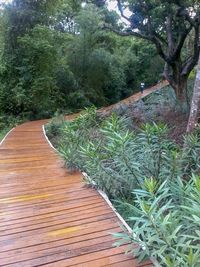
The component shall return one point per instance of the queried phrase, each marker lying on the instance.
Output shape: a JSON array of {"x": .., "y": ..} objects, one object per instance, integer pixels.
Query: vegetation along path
[{"x": 47, "y": 216}]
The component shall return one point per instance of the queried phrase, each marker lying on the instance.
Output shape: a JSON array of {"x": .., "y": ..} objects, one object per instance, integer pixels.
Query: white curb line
[
  {"x": 45, "y": 135},
  {"x": 6, "y": 136},
  {"x": 104, "y": 196}
]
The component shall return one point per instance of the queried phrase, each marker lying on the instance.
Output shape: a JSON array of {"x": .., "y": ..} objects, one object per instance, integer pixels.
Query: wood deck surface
[{"x": 47, "y": 216}]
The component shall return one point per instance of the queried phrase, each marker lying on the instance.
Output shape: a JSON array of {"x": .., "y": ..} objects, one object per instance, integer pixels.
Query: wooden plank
[
  {"x": 80, "y": 255},
  {"x": 103, "y": 230},
  {"x": 51, "y": 250},
  {"x": 39, "y": 210},
  {"x": 47, "y": 240},
  {"x": 45, "y": 224}
]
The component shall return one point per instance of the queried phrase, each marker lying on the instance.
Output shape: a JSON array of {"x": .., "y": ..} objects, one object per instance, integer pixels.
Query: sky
[
  {"x": 112, "y": 5},
  {"x": 5, "y": 1}
]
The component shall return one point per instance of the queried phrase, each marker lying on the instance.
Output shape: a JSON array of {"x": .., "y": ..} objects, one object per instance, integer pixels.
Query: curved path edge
[
  {"x": 105, "y": 197},
  {"x": 4, "y": 138}
]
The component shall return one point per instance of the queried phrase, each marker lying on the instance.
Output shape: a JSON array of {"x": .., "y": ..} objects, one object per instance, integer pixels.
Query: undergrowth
[
  {"x": 152, "y": 181},
  {"x": 7, "y": 123}
]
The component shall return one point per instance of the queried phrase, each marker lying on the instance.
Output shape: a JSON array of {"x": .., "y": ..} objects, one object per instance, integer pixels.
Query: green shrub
[
  {"x": 7, "y": 122},
  {"x": 166, "y": 222},
  {"x": 164, "y": 211},
  {"x": 75, "y": 134},
  {"x": 121, "y": 160},
  {"x": 53, "y": 128},
  {"x": 191, "y": 154}
]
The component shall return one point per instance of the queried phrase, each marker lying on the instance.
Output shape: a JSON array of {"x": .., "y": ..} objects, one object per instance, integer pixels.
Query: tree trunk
[
  {"x": 195, "y": 105},
  {"x": 180, "y": 89},
  {"x": 177, "y": 81}
]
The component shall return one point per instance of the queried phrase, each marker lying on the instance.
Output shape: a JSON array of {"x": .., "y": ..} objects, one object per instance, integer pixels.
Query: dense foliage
[
  {"x": 54, "y": 55},
  {"x": 164, "y": 209},
  {"x": 7, "y": 123},
  {"x": 166, "y": 222}
]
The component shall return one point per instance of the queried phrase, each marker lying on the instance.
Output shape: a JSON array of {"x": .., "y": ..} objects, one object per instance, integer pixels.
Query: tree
[
  {"x": 166, "y": 24},
  {"x": 99, "y": 3},
  {"x": 66, "y": 12},
  {"x": 93, "y": 61},
  {"x": 24, "y": 15},
  {"x": 141, "y": 62},
  {"x": 19, "y": 73},
  {"x": 195, "y": 105}
]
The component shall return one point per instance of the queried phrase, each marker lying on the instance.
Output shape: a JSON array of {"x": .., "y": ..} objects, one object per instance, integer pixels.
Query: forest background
[{"x": 56, "y": 56}]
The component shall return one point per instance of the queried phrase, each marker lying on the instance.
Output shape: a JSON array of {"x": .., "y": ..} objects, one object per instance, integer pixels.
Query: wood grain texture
[{"x": 47, "y": 215}]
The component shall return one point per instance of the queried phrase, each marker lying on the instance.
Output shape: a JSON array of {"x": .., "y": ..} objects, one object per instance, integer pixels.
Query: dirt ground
[{"x": 177, "y": 123}]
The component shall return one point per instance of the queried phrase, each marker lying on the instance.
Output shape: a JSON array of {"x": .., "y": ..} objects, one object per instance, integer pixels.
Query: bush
[
  {"x": 166, "y": 222},
  {"x": 121, "y": 159},
  {"x": 164, "y": 210},
  {"x": 53, "y": 128},
  {"x": 75, "y": 134},
  {"x": 7, "y": 122}
]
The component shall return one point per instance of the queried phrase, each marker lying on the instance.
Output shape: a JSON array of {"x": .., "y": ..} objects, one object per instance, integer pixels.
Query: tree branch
[
  {"x": 190, "y": 64},
  {"x": 160, "y": 38},
  {"x": 183, "y": 12},
  {"x": 170, "y": 35},
  {"x": 159, "y": 48},
  {"x": 181, "y": 42},
  {"x": 168, "y": 75},
  {"x": 156, "y": 40},
  {"x": 128, "y": 33},
  {"x": 153, "y": 39},
  {"x": 119, "y": 4}
]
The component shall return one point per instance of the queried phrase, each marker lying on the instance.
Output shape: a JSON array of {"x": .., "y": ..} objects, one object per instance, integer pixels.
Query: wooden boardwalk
[{"x": 47, "y": 216}]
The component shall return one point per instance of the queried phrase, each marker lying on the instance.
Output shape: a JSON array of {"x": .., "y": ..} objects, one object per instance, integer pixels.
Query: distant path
[
  {"x": 134, "y": 97},
  {"x": 47, "y": 216}
]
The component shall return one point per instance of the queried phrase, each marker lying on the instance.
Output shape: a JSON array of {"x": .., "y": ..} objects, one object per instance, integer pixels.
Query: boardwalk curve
[{"x": 47, "y": 216}]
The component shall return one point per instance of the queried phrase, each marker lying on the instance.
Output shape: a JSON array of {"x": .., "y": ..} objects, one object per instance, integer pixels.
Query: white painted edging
[
  {"x": 45, "y": 135},
  {"x": 104, "y": 196},
  {"x": 6, "y": 136}
]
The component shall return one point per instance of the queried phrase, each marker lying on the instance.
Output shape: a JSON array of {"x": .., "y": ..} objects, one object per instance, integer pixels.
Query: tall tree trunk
[
  {"x": 180, "y": 89},
  {"x": 195, "y": 105},
  {"x": 177, "y": 81}
]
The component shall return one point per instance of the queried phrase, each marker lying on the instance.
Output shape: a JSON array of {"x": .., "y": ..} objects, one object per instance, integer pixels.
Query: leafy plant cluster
[
  {"x": 71, "y": 135},
  {"x": 7, "y": 123},
  {"x": 153, "y": 181},
  {"x": 164, "y": 100},
  {"x": 165, "y": 219}
]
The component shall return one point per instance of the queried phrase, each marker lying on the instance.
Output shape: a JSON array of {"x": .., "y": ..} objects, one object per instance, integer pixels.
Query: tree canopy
[{"x": 168, "y": 25}]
